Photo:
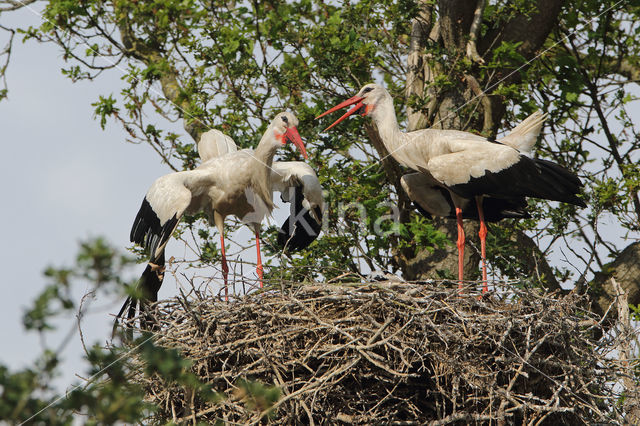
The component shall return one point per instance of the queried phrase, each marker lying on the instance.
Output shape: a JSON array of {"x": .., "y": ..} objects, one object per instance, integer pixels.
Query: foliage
[
  {"x": 107, "y": 395},
  {"x": 28, "y": 395},
  {"x": 232, "y": 65}
]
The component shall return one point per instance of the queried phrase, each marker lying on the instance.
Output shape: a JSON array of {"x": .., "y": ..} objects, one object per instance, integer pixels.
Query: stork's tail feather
[
  {"x": 147, "y": 288},
  {"x": 524, "y": 135}
]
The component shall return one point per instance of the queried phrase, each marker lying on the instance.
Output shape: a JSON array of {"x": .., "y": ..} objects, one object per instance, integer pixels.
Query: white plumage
[
  {"x": 214, "y": 143},
  {"x": 293, "y": 179},
  {"x": 524, "y": 136},
  {"x": 287, "y": 175},
  {"x": 433, "y": 197},
  {"x": 227, "y": 182},
  {"x": 458, "y": 170}
]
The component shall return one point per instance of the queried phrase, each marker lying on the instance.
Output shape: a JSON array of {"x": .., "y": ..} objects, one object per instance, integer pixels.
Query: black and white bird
[
  {"x": 432, "y": 198},
  {"x": 297, "y": 183},
  {"x": 459, "y": 174},
  {"x": 227, "y": 182}
]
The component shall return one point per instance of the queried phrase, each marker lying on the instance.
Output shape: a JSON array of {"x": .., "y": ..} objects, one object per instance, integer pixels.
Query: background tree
[
  {"x": 473, "y": 65},
  {"x": 479, "y": 66}
]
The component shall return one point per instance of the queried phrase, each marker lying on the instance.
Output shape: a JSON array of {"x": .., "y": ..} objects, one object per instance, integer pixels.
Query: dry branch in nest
[{"x": 390, "y": 353}]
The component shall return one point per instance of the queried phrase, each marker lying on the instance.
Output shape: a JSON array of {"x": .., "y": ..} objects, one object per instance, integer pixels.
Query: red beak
[
  {"x": 355, "y": 100},
  {"x": 293, "y": 136}
]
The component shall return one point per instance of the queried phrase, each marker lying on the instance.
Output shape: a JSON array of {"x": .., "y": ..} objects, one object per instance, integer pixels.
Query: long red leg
[
  {"x": 483, "y": 243},
  {"x": 460, "y": 247},
  {"x": 259, "y": 269},
  {"x": 225, "y": 268}
]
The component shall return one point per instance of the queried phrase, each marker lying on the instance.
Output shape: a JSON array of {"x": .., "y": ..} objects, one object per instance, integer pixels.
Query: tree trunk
[
  {"x": 626, "y": 271},
  {"x": 443, "y": 261}
]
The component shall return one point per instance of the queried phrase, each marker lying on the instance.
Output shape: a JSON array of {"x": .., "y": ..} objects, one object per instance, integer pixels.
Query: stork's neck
[
  {"x": 384, "y": 116},
  {"x": 261, "y": 170},
  {"x": 266, "y": 149}
]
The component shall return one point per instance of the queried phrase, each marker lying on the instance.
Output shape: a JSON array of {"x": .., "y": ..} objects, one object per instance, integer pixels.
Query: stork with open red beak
[
  {"x": 228, "y": 182},
  {"x": 459, "y": 172}
]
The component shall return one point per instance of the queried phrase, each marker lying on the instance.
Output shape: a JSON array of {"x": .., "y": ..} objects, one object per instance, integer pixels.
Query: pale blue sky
[{"x": 65, "y": 180}]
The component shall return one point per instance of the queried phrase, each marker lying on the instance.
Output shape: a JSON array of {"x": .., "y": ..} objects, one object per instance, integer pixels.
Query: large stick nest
[{"x": 389, "y": 353}]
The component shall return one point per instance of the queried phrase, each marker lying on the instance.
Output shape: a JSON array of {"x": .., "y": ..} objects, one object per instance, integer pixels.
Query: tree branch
[
  {"x": 456, "y": 17},
  {"x": 626, "y": 355},
  {"x": 14, "y": 4},
  {"x": 611, "y": 139},
  {"x": 532, "y": 29},
  {"x": 3, "y": 69},
  {"x": 626, "y": 271},
  {"x": 535, "y": 261},
  {"x": 418, "y": 70},
  {"x": 488, "y": 124},
  {"x": 610, "y": 65},
  {"x": 168, "y": 81},
  {"x": 472, "y": 50}
]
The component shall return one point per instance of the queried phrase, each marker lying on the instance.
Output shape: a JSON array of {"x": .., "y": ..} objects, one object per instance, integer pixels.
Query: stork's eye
[{"x": 367, "y": 90}]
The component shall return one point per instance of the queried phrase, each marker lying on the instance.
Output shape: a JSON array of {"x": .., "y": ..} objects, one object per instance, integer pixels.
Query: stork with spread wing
[{"x": 227, "y": 182}]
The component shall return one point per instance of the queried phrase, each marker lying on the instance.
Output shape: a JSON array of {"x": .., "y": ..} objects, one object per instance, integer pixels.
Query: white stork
[
  {"x": 228, "y": 182},
  {"x": 297, "y": 183},
  {"x": 432, "y": 198},
  {"x": 466, "y": 170}
]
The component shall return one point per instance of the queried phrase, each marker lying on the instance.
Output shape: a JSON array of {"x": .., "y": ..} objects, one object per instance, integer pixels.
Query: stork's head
[
  {"x": 365, "y": 102},
  {"x": 285, "y": 130}
]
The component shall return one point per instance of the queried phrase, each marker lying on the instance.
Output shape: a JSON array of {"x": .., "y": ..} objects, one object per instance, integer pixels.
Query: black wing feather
[
  {"x": 422, "y": 211},
  {"x": 495, "y": 209},
  {"x": 148, "y": 287},
  {"x": 300, "y": 229},
  {"x": 147, "y": 230},
  {"x": 527, "y": 178}
]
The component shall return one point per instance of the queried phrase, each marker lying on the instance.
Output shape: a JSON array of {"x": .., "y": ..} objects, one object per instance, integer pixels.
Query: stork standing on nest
[
  {"x": 228, "y": 182},
  {"x": 297, "y": 183},
  {"x": 459, "y": 172}
]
